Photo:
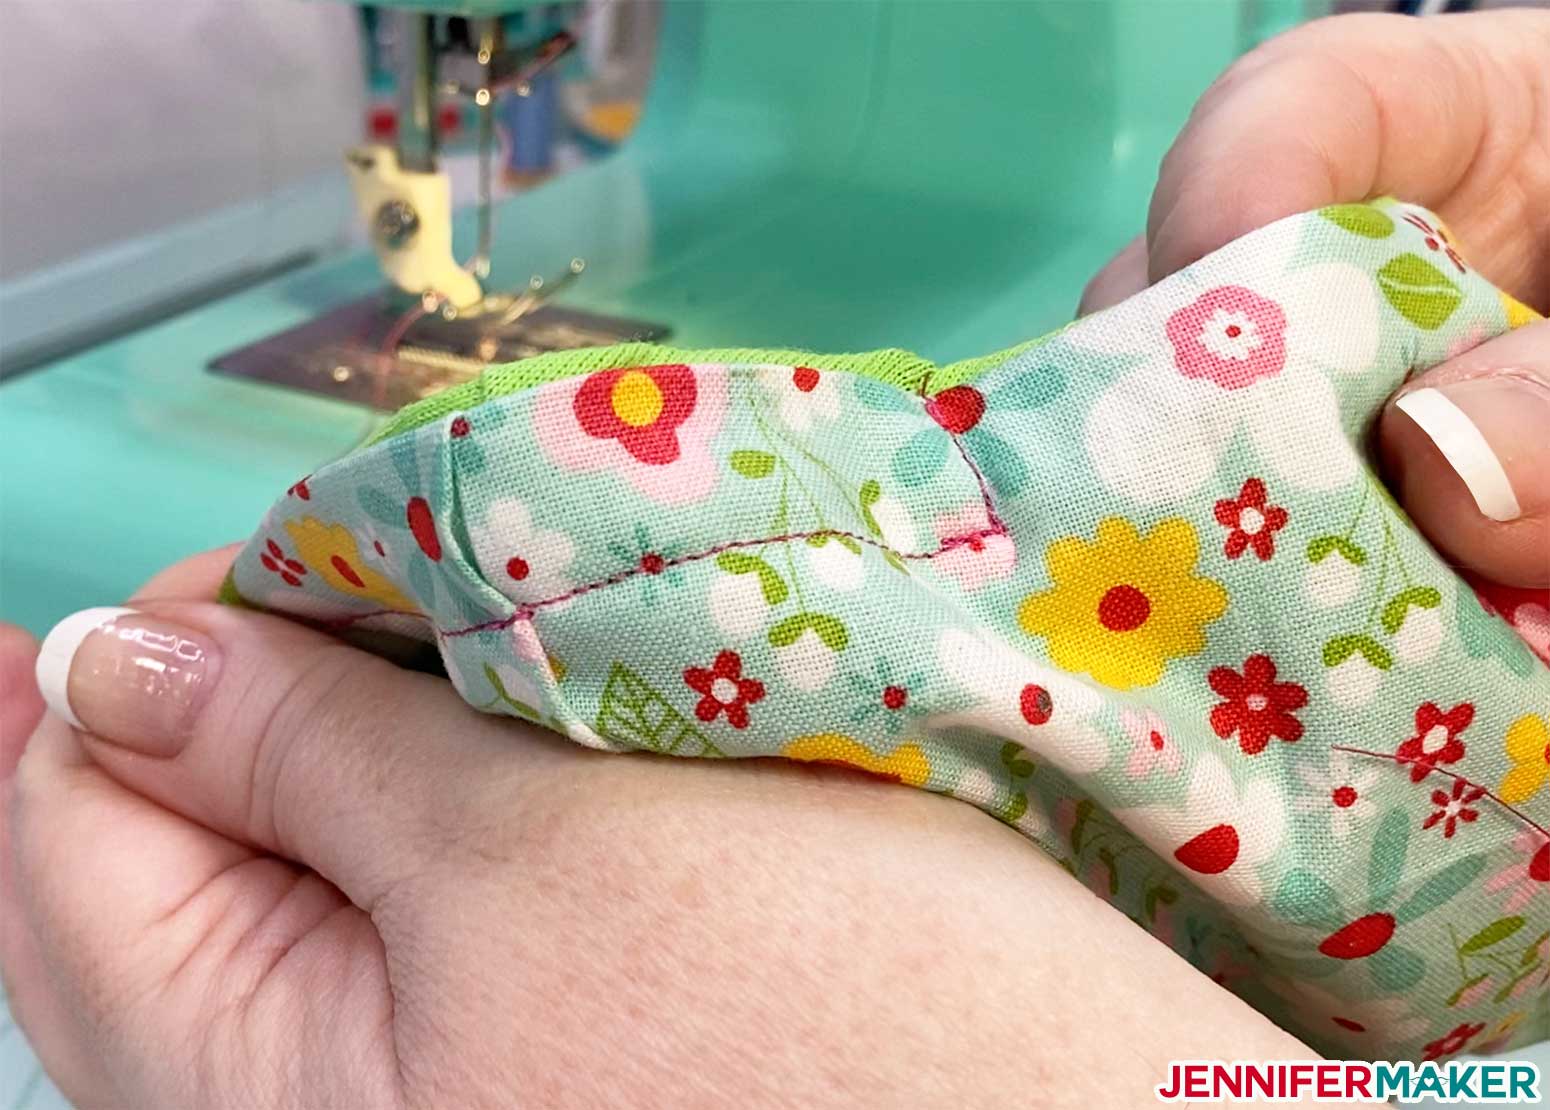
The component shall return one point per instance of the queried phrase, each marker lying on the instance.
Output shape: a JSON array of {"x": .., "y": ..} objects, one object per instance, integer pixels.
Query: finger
[
  {"x": 275, "y": 735},
  {"x": 33, "y": 1003},
  {"x": 20, "y": 703},
  {"x": 1122, "y": 277},
  {"x": 1334, "y": 112},
  {"x": 197, "y": 578},
  {"x": 1466, "y": 447},
  {"x": 165, "y": 965}
]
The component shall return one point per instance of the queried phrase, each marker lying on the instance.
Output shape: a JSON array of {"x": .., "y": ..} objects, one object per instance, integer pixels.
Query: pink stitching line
[
  {"x": 1512, "y": 809},
  {"x": 997, "y": 527}
]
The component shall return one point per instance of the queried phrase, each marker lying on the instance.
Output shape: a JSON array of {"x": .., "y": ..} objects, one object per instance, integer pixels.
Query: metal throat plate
[{"x": 341, "y": 353}]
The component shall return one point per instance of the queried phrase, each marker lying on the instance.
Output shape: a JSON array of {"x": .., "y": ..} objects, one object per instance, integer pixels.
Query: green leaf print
[
  {"x": 753, "y": 464},
  {"x": 1531, "y": 953},
  {"x": 1483, "y": 635},
  {"x": 1426, "y": 597},
  {"x": 1340, "y": 648},
  {"x": 1419, "y": 291},
  {"x": 521, "y": 707},
  {"x": 380, "y": 507},
  {"x": 922, "y": 458},
  {"x": 1507, "y": 989},
  {"x": 631, "y": 712},
  {"x": 1320, "y": 547},
  {"x": 1494, "y": 933},
  {"x": 1440, "y": 887},
  {"x": 771, "y": 584},
  {"x": 1396, "y": 969},
  {"x": 1109, "y": 864},
  {"x": 1359, "y": 219},
  {"x": 1031, "y": 389},
  {"x": 829, "y": 630},
  {"x": 1084, "y": 810},
  {"x": 1306, "y": 899},
  {"x": 871, "y": 494},
  {"x": 1453, "y": 999},
  {"x": 1011, "y": 759},
  {"x": 1016, "y": 808},
  {"x": 1387, "y": 862}
]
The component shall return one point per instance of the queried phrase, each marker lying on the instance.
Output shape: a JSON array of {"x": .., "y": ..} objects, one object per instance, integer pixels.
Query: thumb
[
  {"x": 269, "y": 733},
  {"x": 1466, "y": 448}
]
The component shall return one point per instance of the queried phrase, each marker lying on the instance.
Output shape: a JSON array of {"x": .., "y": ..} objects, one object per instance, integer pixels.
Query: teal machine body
[{"x": 933, "y": 175}]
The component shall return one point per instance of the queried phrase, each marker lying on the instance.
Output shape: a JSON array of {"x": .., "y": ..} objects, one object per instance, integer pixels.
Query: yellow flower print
[
  {"x": 1124, "y": 604},
  {"x": 1518, "y": 313},
  {"x": 330, "y": 551},
  {"x": 906, "y": 764},
  {"x": 1528, "y": 746}
]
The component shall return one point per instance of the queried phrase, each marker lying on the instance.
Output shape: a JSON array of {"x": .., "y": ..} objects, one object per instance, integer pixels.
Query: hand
[
  {"x": 1449, "y": 112},
  {"x": 271, "y": 870}
]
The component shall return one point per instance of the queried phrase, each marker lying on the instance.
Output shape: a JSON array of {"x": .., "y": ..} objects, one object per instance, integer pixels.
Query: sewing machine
[{"x": 930, "y": 175}]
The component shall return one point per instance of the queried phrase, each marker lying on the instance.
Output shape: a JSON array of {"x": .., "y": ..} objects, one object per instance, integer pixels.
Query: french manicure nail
[
  {"x": 128, "y": 678},
  {"x": 1494, "y": 432}
]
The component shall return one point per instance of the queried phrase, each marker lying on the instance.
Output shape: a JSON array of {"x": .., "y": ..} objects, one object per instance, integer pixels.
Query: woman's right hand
[{"x": 1451, "y": 112}]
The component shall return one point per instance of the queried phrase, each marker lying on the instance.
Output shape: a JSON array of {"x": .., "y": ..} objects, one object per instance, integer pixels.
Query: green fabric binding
[{"x": 901, "y": 368}]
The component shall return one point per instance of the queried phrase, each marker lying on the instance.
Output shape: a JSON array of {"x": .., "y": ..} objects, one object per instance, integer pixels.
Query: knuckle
[{"x": 286, "y": 716}]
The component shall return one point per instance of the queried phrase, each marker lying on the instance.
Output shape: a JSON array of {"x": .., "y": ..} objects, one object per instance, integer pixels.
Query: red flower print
[
  {"x": 895, "y": 697},
  {"x": 459, "y": 427},
  {"x": 300, "y": 490},
  {"x": 1454, "y": 1042},
  {"x": 1436, "y": 738},
  {"x": 422, "y": 525},
  {"x": 1257, "y": 706},
  {"x": 957, "y": 408},
  {"x": 641, "y": 407},
  {"x": 275, "y": 561},
  {"x": 1230, "y": 336},
  {"x": 1435, "y": 240},
  {"x": 805, "y": 378},
  {"x": 1250, "y": 521},
  {"x": 1454, "y": 808},
  {"x": 723, "y": 689}
]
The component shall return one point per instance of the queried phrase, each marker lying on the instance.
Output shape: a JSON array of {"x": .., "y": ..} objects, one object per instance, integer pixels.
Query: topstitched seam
[
  {"x": 1487, "y": 792},
  {"x": 525, "y": 610}
]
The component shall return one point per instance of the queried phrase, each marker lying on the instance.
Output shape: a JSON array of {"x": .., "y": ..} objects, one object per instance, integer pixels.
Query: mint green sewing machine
[{"x": 931, "y": 174}]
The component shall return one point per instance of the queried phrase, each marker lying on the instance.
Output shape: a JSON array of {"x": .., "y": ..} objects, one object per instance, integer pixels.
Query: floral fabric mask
[{"x": 1132, "y": 589}]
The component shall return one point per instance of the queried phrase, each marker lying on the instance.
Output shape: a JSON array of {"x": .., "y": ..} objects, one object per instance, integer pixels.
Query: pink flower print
[
  {"x": 1152, "y": 748},
  {"x": 971, "y": 554},
  {"x": 1436, "y": 239},
  {"x": 1230, "y": 335},
  {"x": 1526, "y": 878},
  {"x": 651, "y": 425}
]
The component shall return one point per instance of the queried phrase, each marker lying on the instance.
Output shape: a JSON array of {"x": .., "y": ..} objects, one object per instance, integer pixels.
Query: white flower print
[
  {"x": 1153, "y": 747},
  {"x": 1222, "y": 836},
  {"x": 1045, "y": 710},
  {"x": 1342, "y": 792},
  {"x": 1236, "y": 359},
  {"x": 520, "y": 560},
  {"x": 803, "y": 396}
]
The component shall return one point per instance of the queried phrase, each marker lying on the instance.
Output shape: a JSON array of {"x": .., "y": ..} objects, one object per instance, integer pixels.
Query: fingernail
[
  {"x": 1495, "y": 433},
  {"x": 126, "y": 677}
]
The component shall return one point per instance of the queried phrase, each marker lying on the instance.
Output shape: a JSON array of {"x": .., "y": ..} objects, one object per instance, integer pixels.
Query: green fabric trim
[
  {"x": 229, "y": 595},
  {"x": 908, "y": 371}
]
